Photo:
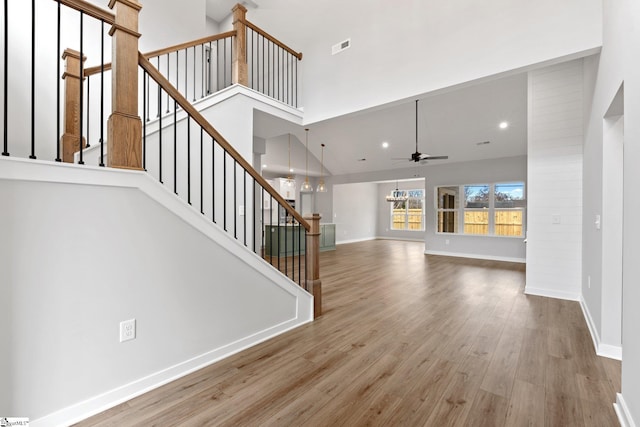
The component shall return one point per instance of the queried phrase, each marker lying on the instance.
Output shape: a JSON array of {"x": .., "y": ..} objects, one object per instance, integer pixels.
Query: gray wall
[
  {"x": 82, "y": 252},
  {"x": 483, "y": 171}
]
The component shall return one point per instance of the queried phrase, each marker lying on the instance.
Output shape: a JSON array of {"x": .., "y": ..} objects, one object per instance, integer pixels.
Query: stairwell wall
[{"x": 86, "y": 248}]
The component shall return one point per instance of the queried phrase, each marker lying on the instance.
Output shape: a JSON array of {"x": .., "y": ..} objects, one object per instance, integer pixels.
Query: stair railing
[
  {"x": 237, "y": 193},
  {"x": 188, "y": 155},
  {"x": 44, "y": 101},
  {"x": 264, "y": 63}
]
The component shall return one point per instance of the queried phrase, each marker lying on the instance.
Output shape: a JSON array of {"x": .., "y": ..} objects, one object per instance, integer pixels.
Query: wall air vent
[{"x": 337, "y": 48}]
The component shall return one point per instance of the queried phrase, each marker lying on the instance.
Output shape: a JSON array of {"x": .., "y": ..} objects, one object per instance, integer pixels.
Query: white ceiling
[
  {"x": 450, "y": 123},
  {"x": 218, "y": 10}
]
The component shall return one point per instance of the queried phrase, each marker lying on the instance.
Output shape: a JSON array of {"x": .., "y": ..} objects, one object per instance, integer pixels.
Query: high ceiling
[{"x": 450, "y": 122}]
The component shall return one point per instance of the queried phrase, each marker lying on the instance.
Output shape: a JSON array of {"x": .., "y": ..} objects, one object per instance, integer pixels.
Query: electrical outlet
[
  {"x": 446, "y": 242},
  {"x": 127, "y": 330}
]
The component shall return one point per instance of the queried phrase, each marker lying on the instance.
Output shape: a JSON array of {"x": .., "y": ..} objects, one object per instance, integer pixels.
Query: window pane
[
  {"x": 447, "y": 197},
  {"x": 398, "y": 215},
  {"x": 508, "y": 222},
  {"x": 476, "y": 196},
  {"x": 447, "y": 222},
  {"x": 476, "y": 222},
  {"x": 510, "y": 195}
]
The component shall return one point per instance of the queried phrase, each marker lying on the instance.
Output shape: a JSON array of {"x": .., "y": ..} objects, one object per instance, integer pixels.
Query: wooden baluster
[
  {"x": 125, "y": 127},
  {"x": 72, "y": 81},
  {"x": 313, "y": 284},
  {"x": 240, "y": 73}
]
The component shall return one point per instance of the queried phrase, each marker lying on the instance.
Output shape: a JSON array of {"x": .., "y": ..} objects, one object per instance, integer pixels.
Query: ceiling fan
[{"x": 418, "y": 156}]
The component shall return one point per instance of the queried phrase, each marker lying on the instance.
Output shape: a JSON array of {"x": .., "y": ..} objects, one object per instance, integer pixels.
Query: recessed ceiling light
[
  {"x": 503, "y": 125},
  {"x": 291, "y": 170},
  {"x": 264, "y": 166},
  {"x": 385, "y": 144}
]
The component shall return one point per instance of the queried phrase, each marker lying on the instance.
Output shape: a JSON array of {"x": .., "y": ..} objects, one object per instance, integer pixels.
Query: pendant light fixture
[
  {"x": 322, "y": 188},
  {"x": 397, "y": 195},
  {"x": 306, "y": 187},
  {"x": 290, "y": 182}
]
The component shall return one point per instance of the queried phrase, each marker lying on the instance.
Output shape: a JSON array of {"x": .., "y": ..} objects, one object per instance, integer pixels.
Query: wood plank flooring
[{"x": 405, "y": 339}]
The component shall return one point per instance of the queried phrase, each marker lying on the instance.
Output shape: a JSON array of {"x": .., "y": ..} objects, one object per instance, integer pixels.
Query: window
[
  {"x": 487, "y": 209},
  {"x": 408, "y": 214},
  {"x": 509, "y": 205},
  {"x": 447, "y": 209},
  {"x": 476, "y": 209}
]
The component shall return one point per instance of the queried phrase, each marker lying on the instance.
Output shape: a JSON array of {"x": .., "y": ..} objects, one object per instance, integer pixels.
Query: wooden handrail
[
  {"x": 186, "y": 45},
  {"x": 273, "y": 39},
  {"x": 90, "y": 9},
  {"x": 97, "y": 69},
  {"x": 195, "y": 115}
]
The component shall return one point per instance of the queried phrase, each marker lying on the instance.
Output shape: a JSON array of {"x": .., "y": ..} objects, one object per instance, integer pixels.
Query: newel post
[
  {"x": 240, "y": 73},
  {"x": 314, "y": 285},
  {"x": 125, "y": 127},
  {"x": 70, "y": 141}
]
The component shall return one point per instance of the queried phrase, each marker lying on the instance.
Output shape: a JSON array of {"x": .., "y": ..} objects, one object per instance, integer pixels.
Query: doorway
[{"x": 612, "y": 226}]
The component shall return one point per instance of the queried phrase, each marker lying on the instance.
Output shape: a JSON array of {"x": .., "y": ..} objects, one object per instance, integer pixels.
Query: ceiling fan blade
[{"x": 428, "y": 157}]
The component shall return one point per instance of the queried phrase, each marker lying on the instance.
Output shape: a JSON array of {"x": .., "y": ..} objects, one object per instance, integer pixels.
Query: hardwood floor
[{"x": 405, "y": 339}]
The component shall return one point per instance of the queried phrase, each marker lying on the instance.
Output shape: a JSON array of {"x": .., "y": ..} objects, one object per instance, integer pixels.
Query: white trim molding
[
  {"x": 476, "y": 256},
  {"x": 95, "y": 405},
  {"x": 604, "y": 350},
  {"x": 622, "y": 411},
  {"x": 342, "y": 242},
  {"x": 551, "y": 293}
]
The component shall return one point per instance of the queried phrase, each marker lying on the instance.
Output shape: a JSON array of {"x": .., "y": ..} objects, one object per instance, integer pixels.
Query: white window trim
[
  {"x": 491, "y": 210},
  {"x": 423, "y": 224}
]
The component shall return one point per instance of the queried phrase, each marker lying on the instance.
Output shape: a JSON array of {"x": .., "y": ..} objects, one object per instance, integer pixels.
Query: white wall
[
  {"x": 420, "y": 46},
  {"x": 554, "y": 223},
  {"x": 186, "y": 20},
  {"x": 355, "y": 212},
  {"x": 483, "y": 171},
  {"x": 619, "y": 63},
  {"x": 82, "y": 252}
]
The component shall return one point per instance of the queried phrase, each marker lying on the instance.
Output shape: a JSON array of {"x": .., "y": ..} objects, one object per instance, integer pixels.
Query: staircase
[{"x": 135, "y": 170}]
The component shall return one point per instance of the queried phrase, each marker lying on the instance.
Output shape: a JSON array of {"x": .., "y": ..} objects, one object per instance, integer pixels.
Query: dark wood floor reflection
[{"x": 406, "y": 339}]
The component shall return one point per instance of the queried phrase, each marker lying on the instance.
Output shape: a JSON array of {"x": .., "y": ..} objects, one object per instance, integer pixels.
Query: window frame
[
  {"x": 406, "y": 213},
  {"x": 491, "y": 210}
]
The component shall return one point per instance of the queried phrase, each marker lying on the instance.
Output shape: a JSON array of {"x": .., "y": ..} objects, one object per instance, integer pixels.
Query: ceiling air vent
[{"x": 337, "y": 48}]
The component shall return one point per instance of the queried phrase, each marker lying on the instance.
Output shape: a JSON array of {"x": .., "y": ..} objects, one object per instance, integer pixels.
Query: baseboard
[
  {"x": 476, "y": 256},
  {"x": 550, "y": 293},
  {"x": 622, "y": 411},
  {"x": 604, "y": 350},
  {"x": 343, "y": 242},
  {"x": 95, "y": 405},
  {"x": 404, "y": 239}
]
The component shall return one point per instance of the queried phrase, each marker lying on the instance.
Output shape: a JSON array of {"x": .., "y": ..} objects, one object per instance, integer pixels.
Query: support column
[
  {"x": 70, "y": 141},
  {"x": 239, "y": 65},
  {"x": 313, "y": 283},
  {"x": 125, "y": 127}
]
